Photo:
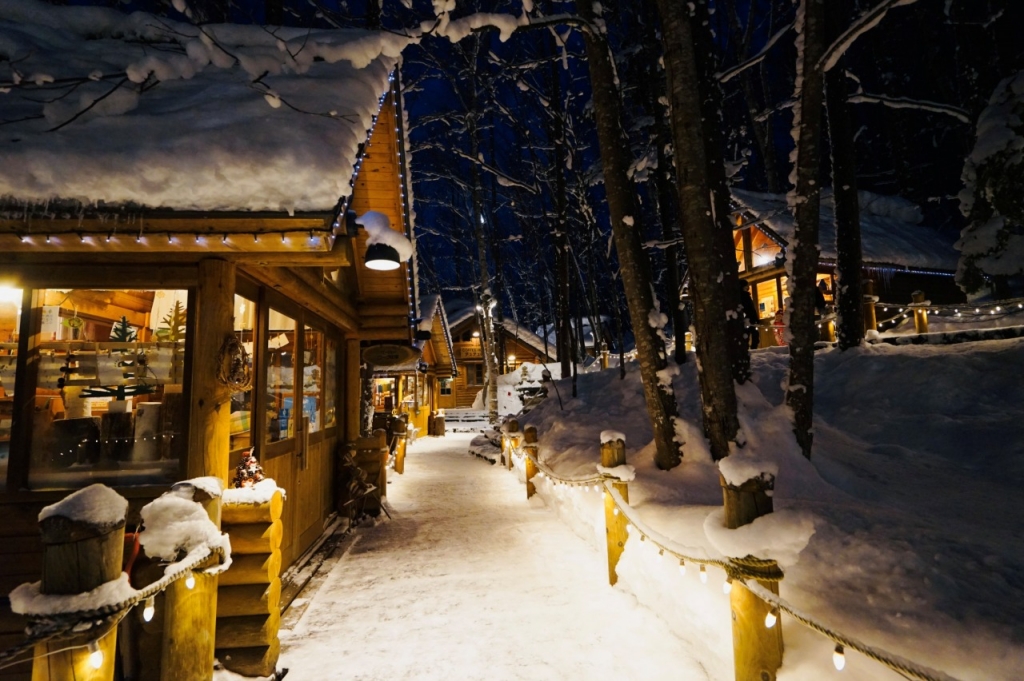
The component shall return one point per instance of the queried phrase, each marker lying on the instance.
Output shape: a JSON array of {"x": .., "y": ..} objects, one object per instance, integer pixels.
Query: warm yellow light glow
[
  {"x": 149, "y": 609},
  {"x": 476, "y": 334},
  {"x": 95, "y": 655},
  {"x": 190, "y": 581},
  {"x": 511, "y": 358},
  {"x": 770, "y": 619},
  {"x": 9, "y": 294},
  {"x": 839, "y": 657}
]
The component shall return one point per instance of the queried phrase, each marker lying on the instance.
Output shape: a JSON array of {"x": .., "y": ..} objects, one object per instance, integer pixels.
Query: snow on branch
[
  {"x": 729, "y": 74},
  {"x": 907, "y": 103},
  {"x": 859, "y": 27},
  {"x": 503, "y": 179}
]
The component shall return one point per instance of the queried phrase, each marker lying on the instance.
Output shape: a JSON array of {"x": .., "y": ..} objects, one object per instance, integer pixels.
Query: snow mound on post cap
[
  {"x": 738, "y": 469},
  {"x": 206, "y": 138},
  {"x": 611, "y": 436},
  {"x": 96, "y": 505},
  {"x": 781, "y": 535},
  {"x": 174, "y": 524},
  {"x": 260, "y": 493}
]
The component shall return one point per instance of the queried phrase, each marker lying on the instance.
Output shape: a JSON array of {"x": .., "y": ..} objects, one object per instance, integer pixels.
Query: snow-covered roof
[
  {"x": 891, "y": 233},
  {"x": 139, "y": 109},
  {"x": 460, "y": 310}
]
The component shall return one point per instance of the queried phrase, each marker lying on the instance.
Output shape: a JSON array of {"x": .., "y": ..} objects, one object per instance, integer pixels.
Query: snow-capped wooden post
[
  {"x": 83, "y": 546},
  {"x": 510, "y": 441},
  {"x": 757, "y": 649},
  {"x": 399, "y": 430},
  {"x": 248, "y": 610},
  {"x": 613, "y": 454},
  {"x": 919, "y": 305},
  {"x": 604, "y": 355},
  {"x": 190, "y": 612},
  {"x": 870, "y": 319},
  {"x": 530, "y": 458}
]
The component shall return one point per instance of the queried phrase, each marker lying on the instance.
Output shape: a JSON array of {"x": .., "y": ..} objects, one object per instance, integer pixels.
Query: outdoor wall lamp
[{"x": 380, "y": 255}]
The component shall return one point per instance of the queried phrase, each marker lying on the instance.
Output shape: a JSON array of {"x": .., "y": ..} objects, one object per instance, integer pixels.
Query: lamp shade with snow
[{"x": 386, "y": 248}]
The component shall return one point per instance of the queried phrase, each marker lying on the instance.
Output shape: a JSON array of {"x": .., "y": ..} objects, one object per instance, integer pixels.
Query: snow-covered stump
[
  {"x": 613, "y": 454},
  {"x": 190, "y": 605},
  {"x": 530, "y": 459},
  {"x": 757, "y": 649},
  {"x": 401, "y": 441},
  {"x": 869, "y": 297},
  {"x": 509, "y": 441},
  {"x": 920, "y": 307},
  {"x": 249, "y": 596},
  {"x": 83, "y": 546}
]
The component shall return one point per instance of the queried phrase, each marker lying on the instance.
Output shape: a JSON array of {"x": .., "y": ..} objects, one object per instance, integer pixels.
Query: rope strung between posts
[
  {"x": 747, "y": 571},
  {"x": 48, "y": 627}
]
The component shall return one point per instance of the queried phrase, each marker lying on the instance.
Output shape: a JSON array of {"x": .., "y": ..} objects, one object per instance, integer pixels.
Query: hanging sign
[{"x": 389, "y": 354}]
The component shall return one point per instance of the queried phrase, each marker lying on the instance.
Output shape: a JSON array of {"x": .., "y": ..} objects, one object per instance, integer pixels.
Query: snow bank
[{"x": 96, "y": 505}]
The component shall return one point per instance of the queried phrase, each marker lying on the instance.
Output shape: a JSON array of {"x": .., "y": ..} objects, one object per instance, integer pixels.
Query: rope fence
[{"x": 755, "y": 574}]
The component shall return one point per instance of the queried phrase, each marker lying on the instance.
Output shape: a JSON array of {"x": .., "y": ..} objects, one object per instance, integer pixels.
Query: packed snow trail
[{"x": 469, "y": 581}]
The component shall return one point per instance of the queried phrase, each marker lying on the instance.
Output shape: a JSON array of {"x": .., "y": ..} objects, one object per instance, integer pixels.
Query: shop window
[
  {"x": 331, "y": 383},
  {"x": 10, "y": 314},
  {"x": 313, "y": 377},
  {"x": 241, "y": 402},
  {"x": 280, "y": 377},
  {"x": 474, "y": 374},
  {"x": 446, "y": 386},
  {"x": 107, "y": 380}
]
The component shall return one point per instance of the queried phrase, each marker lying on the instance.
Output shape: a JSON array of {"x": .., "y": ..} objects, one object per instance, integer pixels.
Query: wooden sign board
[{"x": 389, "y": 354}]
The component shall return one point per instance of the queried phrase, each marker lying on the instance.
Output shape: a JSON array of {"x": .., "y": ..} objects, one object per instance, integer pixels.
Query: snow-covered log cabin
[
  {"x": 515, "y": 345},
  {"x": 413, "y": 387},
  {"x": 900, "y": 255},
  {"x": 181, "y": 272}
]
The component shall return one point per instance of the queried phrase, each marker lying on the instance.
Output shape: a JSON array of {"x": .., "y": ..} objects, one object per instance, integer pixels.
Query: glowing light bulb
[
  {"x": 190, "y": 581},
  {"x": 95, "y": 655},
  {"x": 149, "y": 609},
  {"x": 839, "y": 657},
  {"x": 727, "y": 585},
  {"x": 629, "y": 529},
  {"x": 615, "y": 511},
  {"x": 770, "y": 619},
  {"x": 682, "y": 567},
  {"x": 703, "y": 575}
]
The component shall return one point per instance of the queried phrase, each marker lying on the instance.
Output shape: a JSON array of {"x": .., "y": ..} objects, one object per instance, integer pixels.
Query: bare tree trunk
[
  {"x": 802, "y": 261},
  {"x": 849, "y": 262},
  {"x": 563, "y": 332},
  {"x": 634, "y": 267},
  {"x": 703, "y": 200}
]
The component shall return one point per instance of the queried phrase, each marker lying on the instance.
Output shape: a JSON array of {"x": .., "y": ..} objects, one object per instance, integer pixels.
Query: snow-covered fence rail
[
  {"x": 991, "y": 316},
  {"x": 751, "y": 582},
  {"x": 75, "y": 610}
]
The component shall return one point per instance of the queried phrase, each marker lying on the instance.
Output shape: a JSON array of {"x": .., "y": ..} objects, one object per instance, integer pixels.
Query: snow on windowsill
[{"x": 260, "y": 493}]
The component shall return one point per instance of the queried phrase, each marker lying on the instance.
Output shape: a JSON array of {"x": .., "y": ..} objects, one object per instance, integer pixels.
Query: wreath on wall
[{"x": 234, "y": 368}]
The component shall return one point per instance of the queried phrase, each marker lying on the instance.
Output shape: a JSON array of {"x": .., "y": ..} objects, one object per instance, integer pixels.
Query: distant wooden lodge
[
  {"x": 146, "y": 342},
  {"x": 516, "y": 345},
  {"x": 413, "y": 387},
  {"x": 900, "y": 255}
]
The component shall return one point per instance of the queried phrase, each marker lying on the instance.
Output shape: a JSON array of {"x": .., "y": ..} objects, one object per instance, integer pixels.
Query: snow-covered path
[{"x": 468, "y": 581}]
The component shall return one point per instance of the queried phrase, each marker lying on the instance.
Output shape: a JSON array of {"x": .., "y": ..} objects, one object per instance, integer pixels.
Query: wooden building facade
[
  {"x": 900, "y": 256},
  {"x": 516, "y": 345},
  {"x": 140, "y": 346}
]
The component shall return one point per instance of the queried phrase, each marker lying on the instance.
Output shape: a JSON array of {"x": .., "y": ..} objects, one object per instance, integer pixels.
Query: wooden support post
[
  {"x": 401, "y": 441},
  {"x": 509, "y": 440},
  {"x": 757, "y": 650},
  {"x": 78, "y": 556},
  {"x": 529, "y": 462},
  {"x": 870, "y": 319},
  {"x": 210, "y": 415},
  {"x": 613, "y": 453},
  {"x": 190, "y": 614},
  {"x": 920, "y": 313},
  {"x": 353, "y": 386},
  {"x": 604, "y": 355}
]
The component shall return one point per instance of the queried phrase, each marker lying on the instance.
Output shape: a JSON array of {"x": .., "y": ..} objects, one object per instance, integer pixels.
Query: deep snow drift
[{"x": 903, "y": 530}]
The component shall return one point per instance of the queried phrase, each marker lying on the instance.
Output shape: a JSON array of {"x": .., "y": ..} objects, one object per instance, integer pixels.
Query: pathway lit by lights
[{"x": 468, "y": 581}]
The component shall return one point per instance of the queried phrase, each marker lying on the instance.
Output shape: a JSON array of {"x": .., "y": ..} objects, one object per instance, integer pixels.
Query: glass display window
[
  {"x": 279, "y": 383},
  {"x": 313, "y": 377},
  {"x": 107, "y": 379},
  {"x": 10, "y": 316},
  {"x": 241, "y": 402}
]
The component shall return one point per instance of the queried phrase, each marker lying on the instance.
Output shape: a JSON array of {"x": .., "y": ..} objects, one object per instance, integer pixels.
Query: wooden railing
[{"x": 752, "y": 583}]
